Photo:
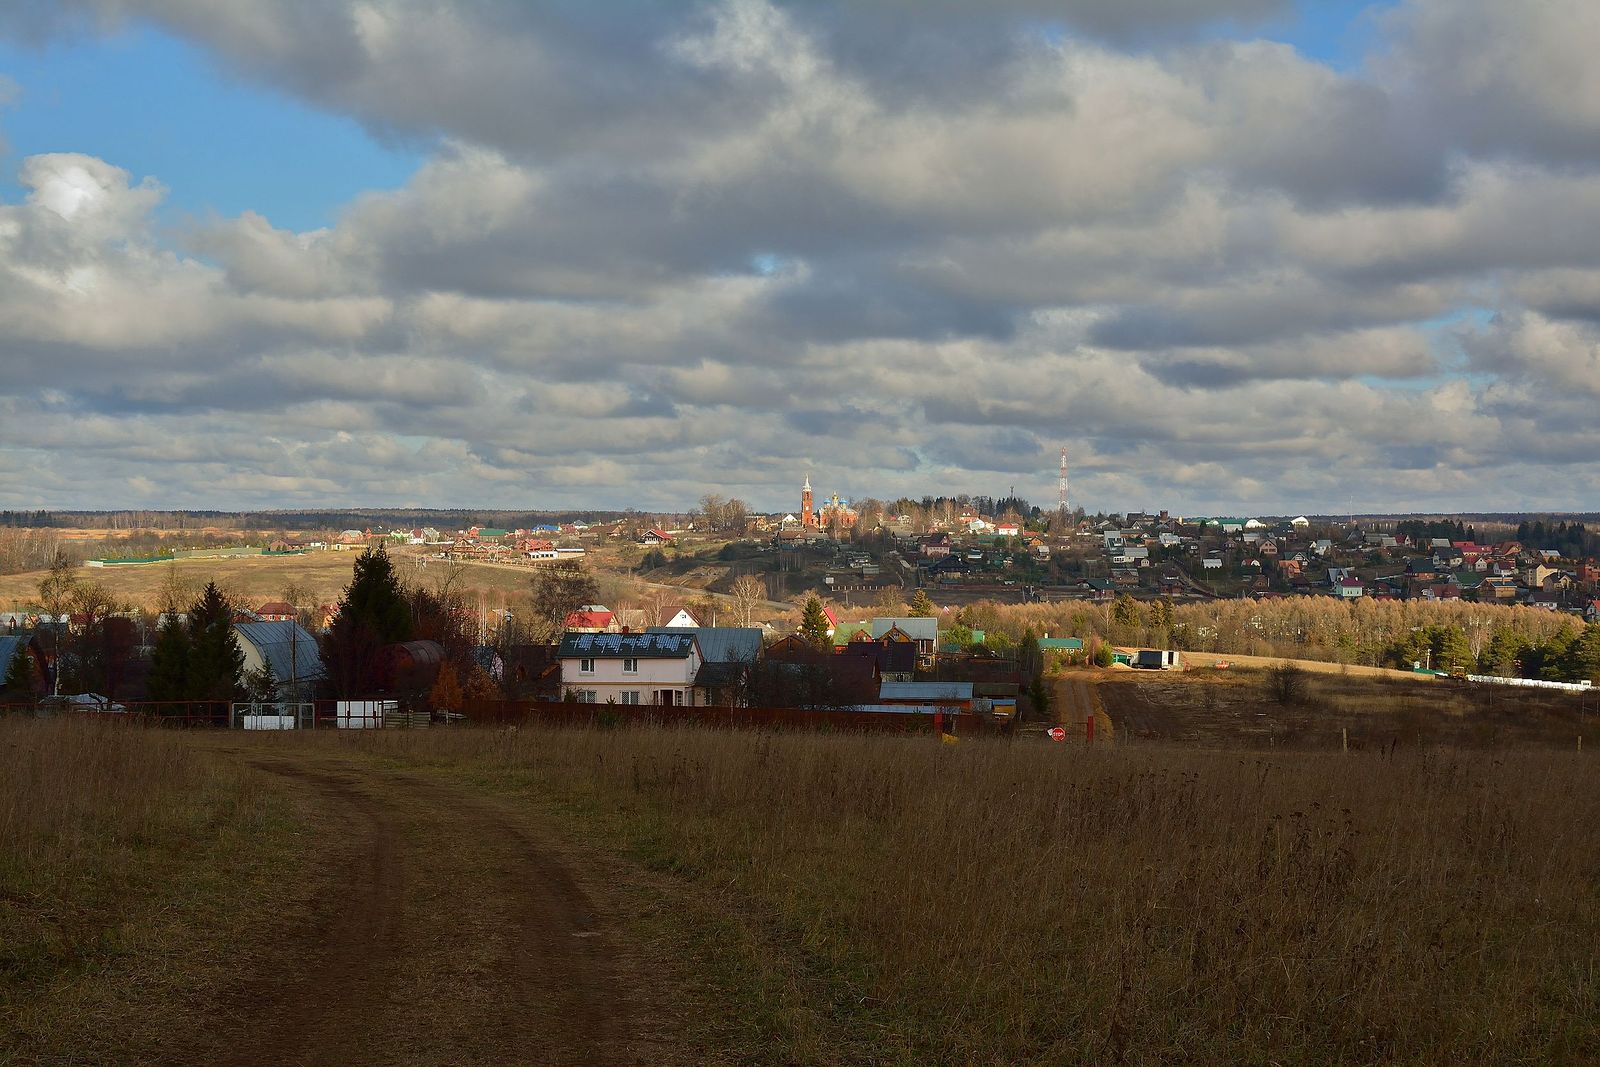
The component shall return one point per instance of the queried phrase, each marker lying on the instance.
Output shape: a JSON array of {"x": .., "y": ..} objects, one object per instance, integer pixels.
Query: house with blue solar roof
[{"x": 657, "y": 667}]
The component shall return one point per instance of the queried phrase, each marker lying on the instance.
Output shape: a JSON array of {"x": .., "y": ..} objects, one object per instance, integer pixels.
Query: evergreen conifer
[
  {"x": 169, "y": 662},
  {"x": 372, "y": 613},
  {"x": 19, "y": 684},
  {"x": 216, "y": 662},
  {"x": 814, "y": 624}
]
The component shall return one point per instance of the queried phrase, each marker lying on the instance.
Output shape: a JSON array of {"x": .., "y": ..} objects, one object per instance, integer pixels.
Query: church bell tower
[{"x": 808, "y": 514}]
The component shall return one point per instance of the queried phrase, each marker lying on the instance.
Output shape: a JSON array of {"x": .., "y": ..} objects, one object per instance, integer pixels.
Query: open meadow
[
  {"x": 648, "y": 895},
  {"x": 321, "y": 576},
  {"x": 250, "y": 579},
  {"x": 254, "y": 579},
  {"x": 1333, "y": 706}
]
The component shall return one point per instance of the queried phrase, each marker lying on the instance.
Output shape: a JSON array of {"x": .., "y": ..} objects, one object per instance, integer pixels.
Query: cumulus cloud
[
  {"x": 1501, "y": 78},
  {"x": 660, "y": 246}
]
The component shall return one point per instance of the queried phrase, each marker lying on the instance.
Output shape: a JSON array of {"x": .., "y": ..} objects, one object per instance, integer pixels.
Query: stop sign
[{"x": 1057, "y": 734}]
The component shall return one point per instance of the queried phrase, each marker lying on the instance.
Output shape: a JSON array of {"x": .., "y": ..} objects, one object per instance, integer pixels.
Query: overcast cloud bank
[{"x": 669, "y": 248}]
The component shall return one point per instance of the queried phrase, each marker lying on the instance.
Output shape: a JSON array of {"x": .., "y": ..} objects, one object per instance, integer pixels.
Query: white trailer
[
  {"x": 363, "y": 714},
  {"x": 1154, "y": 659},
  {"x": 274, "y": 715}
]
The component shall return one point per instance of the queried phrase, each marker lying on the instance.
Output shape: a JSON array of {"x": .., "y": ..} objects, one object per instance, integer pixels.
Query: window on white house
[
  {"x": 586, "y": 666},
  {"x": 588, "y": 696},
  {"x": 630, "y": 666},
  {"x": 631, "y": 697}
]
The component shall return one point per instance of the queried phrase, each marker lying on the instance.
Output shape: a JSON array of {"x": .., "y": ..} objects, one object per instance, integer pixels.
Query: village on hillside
[{"x": 869, "y": 607}]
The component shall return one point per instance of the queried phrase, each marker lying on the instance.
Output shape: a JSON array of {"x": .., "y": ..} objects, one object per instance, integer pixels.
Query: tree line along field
[
  {"x": 1490, "y": 638},
  {"x": 801, "y": 898}
]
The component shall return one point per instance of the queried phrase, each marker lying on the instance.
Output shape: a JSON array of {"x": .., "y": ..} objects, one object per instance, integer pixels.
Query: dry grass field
[
  {"x": 1361, "y": 707},
  {"x": 135, "y": 872},
  {"x": 255, "y": 579},
  {"x": 783, "y": 898},
  {"x": 251, "y": 579}
]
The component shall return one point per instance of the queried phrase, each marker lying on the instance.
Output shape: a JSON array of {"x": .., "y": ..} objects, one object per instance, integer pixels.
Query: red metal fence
[
  {"x": 549, "y": 713},
  {"x": 143, "y": 712},
  {"x": 516, "y": 712}
]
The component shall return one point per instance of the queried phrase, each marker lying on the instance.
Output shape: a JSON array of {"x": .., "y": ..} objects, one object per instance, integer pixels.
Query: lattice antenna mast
[{"x": 1061, "y": 503}]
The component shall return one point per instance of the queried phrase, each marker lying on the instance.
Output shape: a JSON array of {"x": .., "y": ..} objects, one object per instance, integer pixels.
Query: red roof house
[{"x": 592, "y": 620}]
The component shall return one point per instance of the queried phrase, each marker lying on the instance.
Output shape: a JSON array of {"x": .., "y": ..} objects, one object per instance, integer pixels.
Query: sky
[{"x": 1239, "y": 256}]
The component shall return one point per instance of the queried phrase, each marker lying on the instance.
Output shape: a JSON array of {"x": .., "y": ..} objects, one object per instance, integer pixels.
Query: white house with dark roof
[
  {"x": 636, "y": 668},
  {"x": 676, "y": 617}
]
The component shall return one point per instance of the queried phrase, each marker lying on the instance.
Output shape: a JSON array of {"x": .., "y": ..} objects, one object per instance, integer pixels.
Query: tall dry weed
[
  {"x": 1022, "y": 903},
  {"x": 105, "y": 828}
]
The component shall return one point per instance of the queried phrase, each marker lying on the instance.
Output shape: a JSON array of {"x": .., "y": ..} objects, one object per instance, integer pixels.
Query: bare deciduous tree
[
  {"x": 559, "y": 590},
  {"x": 747, "y": 592}
]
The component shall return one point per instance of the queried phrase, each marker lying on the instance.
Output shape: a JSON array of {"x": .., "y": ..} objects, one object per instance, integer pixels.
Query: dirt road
[
  {"x": 1076, "y": 701},
  {"x": 444, "y": 928}
]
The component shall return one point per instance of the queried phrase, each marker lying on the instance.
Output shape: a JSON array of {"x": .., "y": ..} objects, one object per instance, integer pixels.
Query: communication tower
[{"x": 1061, "y": 502}]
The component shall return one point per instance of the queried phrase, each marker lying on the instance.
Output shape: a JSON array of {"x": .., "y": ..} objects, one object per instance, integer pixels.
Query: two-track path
[
  {"x": 438, "y": 926},
  {"x": 1076, "y": 701}
]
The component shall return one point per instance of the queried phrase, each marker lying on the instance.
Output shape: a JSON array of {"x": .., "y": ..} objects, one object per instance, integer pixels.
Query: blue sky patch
[{"x": 159, "y": 107}]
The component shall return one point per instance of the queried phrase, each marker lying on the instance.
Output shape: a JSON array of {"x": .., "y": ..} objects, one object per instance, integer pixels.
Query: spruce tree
[
  {"x": 1030, "y": 657},
  {"x": 1583, "y": 658},
  {"x": 374, "y": 595},
  {"x": 372, "y": 613},
  {"x": 1039, "y": 697},
  {"x": 921, "y": 605},
  {"x": 216, "y": 662},
  {"x": 19, "y": 680},
  {"x": 814, "y": 624},
  {"x": 169, "y": 662},
  {"x": 1502, "y": 653},
  {"x": 1450, "y": 648}
]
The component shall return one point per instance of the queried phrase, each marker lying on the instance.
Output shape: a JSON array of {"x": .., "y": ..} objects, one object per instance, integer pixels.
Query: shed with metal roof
[{"x": 289, "y": 649}]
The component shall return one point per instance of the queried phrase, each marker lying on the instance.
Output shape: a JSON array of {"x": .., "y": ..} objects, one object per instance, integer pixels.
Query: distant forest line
[
  {"x": 461, "y": 518},
  {"x": 357, "y": 518}
]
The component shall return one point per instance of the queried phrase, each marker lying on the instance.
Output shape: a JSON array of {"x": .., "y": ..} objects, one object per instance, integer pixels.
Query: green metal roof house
[
  {"x": 846, "y": 630},
  {"x": 1063, "y": 644}
]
